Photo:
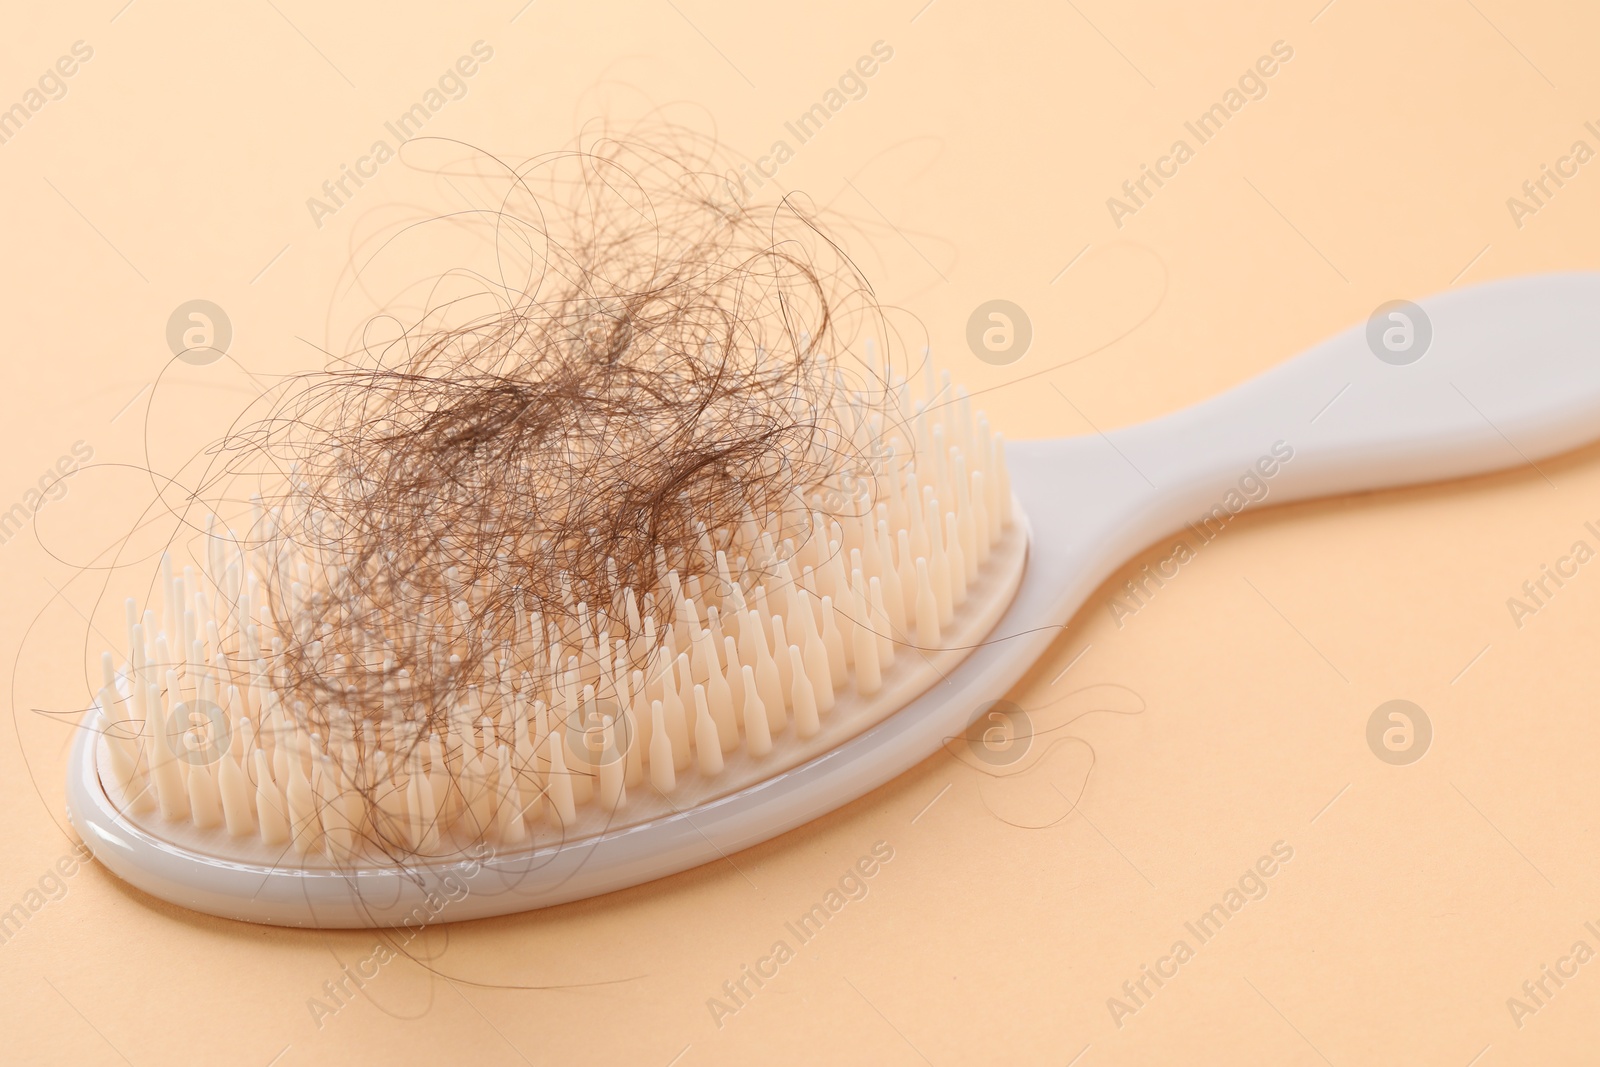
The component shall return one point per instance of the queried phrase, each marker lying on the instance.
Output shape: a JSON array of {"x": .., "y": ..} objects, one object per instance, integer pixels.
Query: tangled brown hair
[{"x": 658, "y": 386}]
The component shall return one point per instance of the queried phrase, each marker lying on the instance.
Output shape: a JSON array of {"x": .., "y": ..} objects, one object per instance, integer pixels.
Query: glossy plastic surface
[{"x": 1510, "y": 375}]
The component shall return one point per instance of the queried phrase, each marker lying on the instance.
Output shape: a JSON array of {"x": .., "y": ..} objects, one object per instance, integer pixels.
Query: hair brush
[{"x": 265, "y": 750}]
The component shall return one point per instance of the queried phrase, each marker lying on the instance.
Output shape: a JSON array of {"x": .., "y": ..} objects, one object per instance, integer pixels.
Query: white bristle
[{"x": 597, "y": 710}]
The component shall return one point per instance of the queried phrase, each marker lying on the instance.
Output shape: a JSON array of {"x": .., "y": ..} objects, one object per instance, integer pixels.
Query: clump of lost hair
[{"x": 660, "y": 384}]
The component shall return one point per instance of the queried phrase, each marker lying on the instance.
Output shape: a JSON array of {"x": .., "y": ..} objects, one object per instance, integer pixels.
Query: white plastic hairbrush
[{"x": 780, "y": 708}]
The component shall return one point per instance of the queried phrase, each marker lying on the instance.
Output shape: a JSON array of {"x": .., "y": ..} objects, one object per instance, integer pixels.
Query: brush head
[
  {"x": 234, "y": 730},
  {"x": 643, "y": 534}
]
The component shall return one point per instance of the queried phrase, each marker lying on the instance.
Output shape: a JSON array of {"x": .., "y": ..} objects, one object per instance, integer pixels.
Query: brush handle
[{"x": 1492, "y": 377}]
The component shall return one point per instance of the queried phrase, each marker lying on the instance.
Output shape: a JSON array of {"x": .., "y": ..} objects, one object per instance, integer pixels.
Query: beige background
[{"x": 1419, "y": 898}]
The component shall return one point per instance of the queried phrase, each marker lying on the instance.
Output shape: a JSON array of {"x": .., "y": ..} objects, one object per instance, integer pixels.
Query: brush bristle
[{"x": 710, "y": 681}]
